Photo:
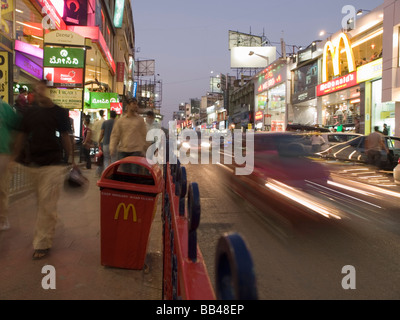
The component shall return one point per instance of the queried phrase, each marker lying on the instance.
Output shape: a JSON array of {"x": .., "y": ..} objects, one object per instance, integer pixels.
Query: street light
[
  {"x": 252, "y": 53},
  {"x": 360, "y": 12},
  {"x": 323, "y": 32}
]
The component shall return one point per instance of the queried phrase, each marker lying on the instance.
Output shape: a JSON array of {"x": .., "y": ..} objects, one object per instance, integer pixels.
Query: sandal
[{"x": 40, "y": 254}]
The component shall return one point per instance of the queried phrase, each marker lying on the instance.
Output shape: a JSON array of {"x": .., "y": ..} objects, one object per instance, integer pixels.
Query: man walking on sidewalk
[
  {"x": 129, "y": 133},
  {"x": 374, "y": 144},
  {"x": 43, "y": 125},
  {"x": 8, "y": 122},
  {"x": 105, "y": 136}
]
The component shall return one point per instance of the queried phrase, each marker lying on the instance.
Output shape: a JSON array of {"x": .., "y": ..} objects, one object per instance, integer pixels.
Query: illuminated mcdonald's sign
[
  {"x": 334, "y": 50},
  {"x": 126, "y": 210}
]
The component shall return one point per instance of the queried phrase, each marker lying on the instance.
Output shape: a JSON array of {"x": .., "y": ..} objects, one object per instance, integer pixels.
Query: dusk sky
[{"x": 189, "y": 39}]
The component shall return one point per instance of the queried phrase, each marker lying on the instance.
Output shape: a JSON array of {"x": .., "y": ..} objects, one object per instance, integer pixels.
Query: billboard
[
  {"x": 215, "y": 85},
  {"x": 240, "y": 39},
  {"x": 252, "y": 57},
  {"x": 305, "y": 79},
  {"x": 64, "y": 77},
  {"x": 145, "y": 68}
]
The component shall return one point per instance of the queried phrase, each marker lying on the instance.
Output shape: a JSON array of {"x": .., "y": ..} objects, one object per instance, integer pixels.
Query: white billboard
[
  {"x": 252, "y": 57},
  {"x": 240, "y": 39}
]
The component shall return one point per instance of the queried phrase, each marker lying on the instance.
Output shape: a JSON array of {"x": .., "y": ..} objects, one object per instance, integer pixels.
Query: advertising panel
[
  {"x": 28, "y": 65},
  {"x": 341, "y": 83},
  {"x": 67, "y": 98},
  {"x": 64, "y": 77},
  {"x": 252, "y": 57},
  {"x": 305, "y": 79}
]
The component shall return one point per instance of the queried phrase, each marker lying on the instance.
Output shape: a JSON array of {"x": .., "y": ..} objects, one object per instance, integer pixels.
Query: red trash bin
[{"x": 128, "y": 206}]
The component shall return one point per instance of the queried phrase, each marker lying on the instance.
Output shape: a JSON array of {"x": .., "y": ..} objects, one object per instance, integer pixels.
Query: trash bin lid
[{"x": 112, "y": 178}]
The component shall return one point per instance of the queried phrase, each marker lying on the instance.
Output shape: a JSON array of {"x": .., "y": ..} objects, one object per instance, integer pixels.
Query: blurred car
[
  {"x": 281, "y": 178},
  {"x": 396, "y": 173},
  {"x": 335, "y": 138},
  {"x": 354, "y": 150}
]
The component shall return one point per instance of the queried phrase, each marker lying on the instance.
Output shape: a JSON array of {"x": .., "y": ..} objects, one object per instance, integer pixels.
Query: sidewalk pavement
[{"x": 75, "y": 254}]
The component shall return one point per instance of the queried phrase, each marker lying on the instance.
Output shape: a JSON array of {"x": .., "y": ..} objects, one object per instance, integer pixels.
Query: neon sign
[
  {"x": 341, "y": 83},
  {"x": 334, "y": 50},
  {"x": 259, "y": 116},
  {"x": 118, "y": 13}
]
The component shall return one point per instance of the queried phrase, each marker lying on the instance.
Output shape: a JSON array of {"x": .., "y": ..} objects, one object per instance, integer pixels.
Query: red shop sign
[
  {"x": 259, "y": 116},
  {"x": 64, "y": 77},
  {"x": 341, "y": 83},
  {"x": 116, "y": 106}
]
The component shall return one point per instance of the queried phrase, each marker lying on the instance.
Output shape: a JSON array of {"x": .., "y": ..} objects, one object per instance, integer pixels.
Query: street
[{"x": 305, "y": 260}]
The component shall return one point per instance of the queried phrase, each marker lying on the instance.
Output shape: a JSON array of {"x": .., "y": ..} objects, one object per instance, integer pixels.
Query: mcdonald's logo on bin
[
  {"x": 334, "y": 50},
  {"x": 126, "y": 210}
]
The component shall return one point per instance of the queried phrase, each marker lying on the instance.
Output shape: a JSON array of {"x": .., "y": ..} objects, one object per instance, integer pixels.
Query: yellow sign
[
  {"x": 67, "y": 98},
  {"x": 369, "y": 71},
  {"x": 64, "y": 37},
  {"x": 126, "y": 210},
  {"x": 334, "y": 50},
  {"x": 4, "y": 76}
]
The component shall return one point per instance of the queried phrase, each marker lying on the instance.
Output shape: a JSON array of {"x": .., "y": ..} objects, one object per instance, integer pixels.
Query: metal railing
[
  {"x": 185, "y": 275},
  {"x": 20, "y": 181}
]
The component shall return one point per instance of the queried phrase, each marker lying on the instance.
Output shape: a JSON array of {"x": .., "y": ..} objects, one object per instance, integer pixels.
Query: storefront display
[
  {"x": 270, "y": 110},
  {"x": 382, "y": 113}
]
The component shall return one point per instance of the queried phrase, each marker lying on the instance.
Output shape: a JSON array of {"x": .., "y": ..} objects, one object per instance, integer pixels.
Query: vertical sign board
[{"x": 4, "y": 83}]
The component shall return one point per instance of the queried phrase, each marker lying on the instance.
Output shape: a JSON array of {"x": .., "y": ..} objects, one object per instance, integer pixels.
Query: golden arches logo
[
  {"x": 334, "y": 51},
  {"x": 126, "y": 210}
]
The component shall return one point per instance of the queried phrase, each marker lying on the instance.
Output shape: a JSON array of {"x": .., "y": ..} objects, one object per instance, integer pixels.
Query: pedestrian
[
  {"x": 374, "y": 145},
  {"x": 87, "y": 143},
  {"x": 96, "y": 137},
  {"x": 316, "y": 142},
  {"x": 385, "y": 131},
  {"x": 105, "y": 136},
  {"x": 39, "y": 126},
  {"x": 8, "y": 123},
  {"x": 128, "y": 136},
  {"x": 150, "y": 121}
]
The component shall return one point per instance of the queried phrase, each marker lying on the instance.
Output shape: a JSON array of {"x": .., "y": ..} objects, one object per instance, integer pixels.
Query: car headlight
[
  {"x": 186, "y": 145},
  {"x": 205, "y": 144}
]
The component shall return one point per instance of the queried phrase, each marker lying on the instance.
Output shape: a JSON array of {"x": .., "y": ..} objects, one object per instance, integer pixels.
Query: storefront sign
[
  {"x": 334, "y": 49},
  {"x": 64, "y": 37},
  {"x": 259, "y": 116},
  {"x": 118, "y": 13},
  {"x": 341, "y": 83},
  {"x": 120, "y": 71},
  {"x": 67, "y": 98},
  {"x": 4, "y": 76},
  {"x": 135, "y": 85},
  {"x": 271, "y": 76},
  {"x": 304, "y": 55},
  {"x": 28, "y": 65},
  {"x": 102, "y": 100},
  {"x": 369, "y": 71},
  {"x": 75, "y": 12},
  {"x": 54, "y": 9},
  {"x": 28, "y": 49},
  {"x": 64, "y": 57},
  {"x": 117, "y": 107},
  {"x": 64, "y": 77},
  {"x": 131, "y": 67}
]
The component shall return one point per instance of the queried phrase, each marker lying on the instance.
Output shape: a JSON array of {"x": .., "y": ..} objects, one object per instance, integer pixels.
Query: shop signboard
[
  {"x": 28, "y": 65},
  {"x": 64, "y": 37},
  {"x": 117, "y": 107},
  {"x": 75, "y": 12},
  {"x": 341, "y": 83},
  {"x": 118, "y": 13},
  {"x": 28, "y": 49},
  {"x": 102, "y": 100},
  {"x": 64, "y": 57},
  {"x": 4, "y": 84},
  {"x": 334, "y": 49},
  {"x": 259, "y": 116},
  {"x": 369, "y": 71},
  {"x": 272, "y": 76},
  {"x": 64, "y": 77},
  {"x": 120, "y": 71},
  {"x": 67, "y": 98}
]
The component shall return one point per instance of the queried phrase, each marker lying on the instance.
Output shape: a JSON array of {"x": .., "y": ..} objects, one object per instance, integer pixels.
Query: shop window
[
  {"x": 28, "y": 23},
  {"x": 382, "y": 113}
]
